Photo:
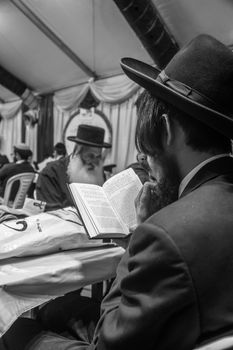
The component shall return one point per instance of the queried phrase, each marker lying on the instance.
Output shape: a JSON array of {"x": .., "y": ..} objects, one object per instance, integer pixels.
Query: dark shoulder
[
  {"x": 56, "y": 164},
  {"x": 197, "y": 213},
  {"x": 9, "y": 166},
  {"x": 4, "y": 158}
]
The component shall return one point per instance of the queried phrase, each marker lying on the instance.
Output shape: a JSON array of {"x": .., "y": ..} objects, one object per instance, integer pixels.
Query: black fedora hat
[
  {"x": 90, "y": 135},
  {"x": 198, "y": 80},
  {"x": 23, "y": 149}
]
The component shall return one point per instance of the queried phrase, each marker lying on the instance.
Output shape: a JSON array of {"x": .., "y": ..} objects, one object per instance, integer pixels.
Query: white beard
[{"x": 80, "y": 173}]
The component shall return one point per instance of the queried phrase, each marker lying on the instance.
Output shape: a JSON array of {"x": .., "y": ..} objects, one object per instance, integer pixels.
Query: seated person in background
[
  {"x": 3, "y": 160},
  {"x": 174, "y": 285},
  {"x": 21, "y": 156},
  {"x": 59, "y": 151},
  {"x": 141, "y": 167},
  {"x": 84, "y": 165},
  {"x": 47, "y": 159}
]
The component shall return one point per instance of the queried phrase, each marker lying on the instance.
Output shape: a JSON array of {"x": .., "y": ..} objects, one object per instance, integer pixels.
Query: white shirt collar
[{"x": 191, "y": 174}]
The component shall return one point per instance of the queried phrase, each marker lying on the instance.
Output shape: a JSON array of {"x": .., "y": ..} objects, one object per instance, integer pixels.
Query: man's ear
[
  {"x": 167, "y": 131},
  {"x": 17, "y": 155}
]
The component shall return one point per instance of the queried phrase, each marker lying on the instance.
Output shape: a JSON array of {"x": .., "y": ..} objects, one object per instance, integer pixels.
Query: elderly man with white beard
[{"x": 84, "y": 165}]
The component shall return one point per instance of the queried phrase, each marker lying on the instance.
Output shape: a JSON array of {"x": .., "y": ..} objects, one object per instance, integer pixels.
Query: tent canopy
[{"x": 51, "y": 45}]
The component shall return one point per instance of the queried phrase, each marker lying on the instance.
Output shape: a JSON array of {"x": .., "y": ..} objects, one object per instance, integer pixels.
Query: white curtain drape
[
  {"x": 11, "y": 109},
  {"x": 68, "y": 99},
  {"x": 10, "y": 126},
  {"x": 114, "y": 90},
  {"x": 123, "y": 119},
  {"x": 11, "y": 129},
  {"x": 31, "y": 139},
  {"x": 117, "y": 96}
]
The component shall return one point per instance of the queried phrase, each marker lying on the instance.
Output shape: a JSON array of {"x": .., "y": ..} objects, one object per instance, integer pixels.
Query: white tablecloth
[{"x": 26, "y": 282}]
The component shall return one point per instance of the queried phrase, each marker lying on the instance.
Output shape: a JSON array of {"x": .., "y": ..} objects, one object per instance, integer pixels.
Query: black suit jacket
[
  {"x": 3, "y": 160},
  {"x": 174, "y": 284},
  {"x": 51, "y": 185}
]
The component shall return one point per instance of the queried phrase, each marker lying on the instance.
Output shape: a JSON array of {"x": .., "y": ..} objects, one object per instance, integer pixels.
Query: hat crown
[
  {"x": 23, "y": 150},
  {"x": 90, "y": 133},
  {"x": 22, "y": 146},
  {"x": 205, "y": 65}
]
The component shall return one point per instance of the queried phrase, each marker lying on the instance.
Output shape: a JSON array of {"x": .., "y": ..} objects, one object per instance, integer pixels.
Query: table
[{"x": 28, "y": 282}]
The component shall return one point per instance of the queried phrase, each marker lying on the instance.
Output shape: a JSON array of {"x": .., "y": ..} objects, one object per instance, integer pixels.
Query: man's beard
[
  {"x": 82, "y": 173},
  {"x": 167, "y": 188},
  {"x": 165, "y": 193}
]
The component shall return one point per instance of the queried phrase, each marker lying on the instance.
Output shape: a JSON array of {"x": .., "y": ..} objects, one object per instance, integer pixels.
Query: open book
[{"x": 108, "y": 211}]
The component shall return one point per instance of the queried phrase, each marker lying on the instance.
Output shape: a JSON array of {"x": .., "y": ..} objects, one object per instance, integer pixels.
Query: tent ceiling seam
[{"x": 52, "y": 36}]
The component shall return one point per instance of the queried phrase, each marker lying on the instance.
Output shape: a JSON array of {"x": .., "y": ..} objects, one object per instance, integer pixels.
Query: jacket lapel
[{"x": 211, "y": 170}]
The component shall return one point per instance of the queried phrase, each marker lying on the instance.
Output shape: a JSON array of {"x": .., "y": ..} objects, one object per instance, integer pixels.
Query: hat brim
[
  {"x": 87, "y": 143},
  {"x": 146, "y": 75},
  {"x": 109, "y": 167}
]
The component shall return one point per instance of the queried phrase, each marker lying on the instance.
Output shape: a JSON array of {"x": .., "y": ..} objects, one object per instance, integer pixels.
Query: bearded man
[
  {"x": 173, "y": 288},
  {"x": 85, "y": 165}
]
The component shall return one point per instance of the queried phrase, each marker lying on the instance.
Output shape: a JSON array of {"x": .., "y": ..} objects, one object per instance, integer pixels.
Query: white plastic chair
[{"x": 25, "y": 180}]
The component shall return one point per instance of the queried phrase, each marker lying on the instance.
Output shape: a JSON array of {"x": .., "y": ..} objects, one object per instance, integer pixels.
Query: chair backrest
[
  {"x": 25, "y": 180},
  {"x": 222, "y": 343}
]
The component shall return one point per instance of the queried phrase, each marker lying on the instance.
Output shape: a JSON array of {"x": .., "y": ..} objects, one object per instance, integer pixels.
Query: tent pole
[{"x": 147, "y": 23}]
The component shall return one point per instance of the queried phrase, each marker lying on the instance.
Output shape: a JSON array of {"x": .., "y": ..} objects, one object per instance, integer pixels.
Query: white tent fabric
[
  {"x": 187, "y": 18},
  {"x": 112, "y": 90},
  {"x": 123, "y": 119},
  {"x": 11, "y": 109},
  {"x": 10, "y": 126},
  {"x": 94, "y": 31},
  {"x": 10, "y": 129}
]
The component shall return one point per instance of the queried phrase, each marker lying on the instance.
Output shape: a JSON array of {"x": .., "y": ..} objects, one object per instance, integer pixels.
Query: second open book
[{"x": 108, "y": 211}]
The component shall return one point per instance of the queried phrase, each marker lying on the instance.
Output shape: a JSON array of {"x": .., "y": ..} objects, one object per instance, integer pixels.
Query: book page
[
  {"x": 98, "y": 208},
  {"x": 122, "y": 189}
]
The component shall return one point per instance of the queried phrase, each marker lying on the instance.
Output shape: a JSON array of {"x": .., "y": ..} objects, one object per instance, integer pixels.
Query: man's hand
[
  {"x": 122, "y": 242},
  {"x": 146, "y": 202}
]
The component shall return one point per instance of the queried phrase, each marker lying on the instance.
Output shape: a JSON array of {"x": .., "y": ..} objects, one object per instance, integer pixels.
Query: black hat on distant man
[
  {"x": 23, "y": 150},
  {"x": 198, "y": 80},
  {"x": 90, "y": 135}
]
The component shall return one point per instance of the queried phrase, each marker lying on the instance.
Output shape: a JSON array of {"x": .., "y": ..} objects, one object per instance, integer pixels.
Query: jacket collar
[
  {"x": 21, "y": 161},
  {"x": 209, "y": 171}
]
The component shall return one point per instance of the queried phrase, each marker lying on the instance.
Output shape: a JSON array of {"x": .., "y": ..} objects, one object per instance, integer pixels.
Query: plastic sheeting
[
  {"x": 47, "y": 255},
  {"x": 28, "y": 282},
  {"x": 43, "y": 233}
]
